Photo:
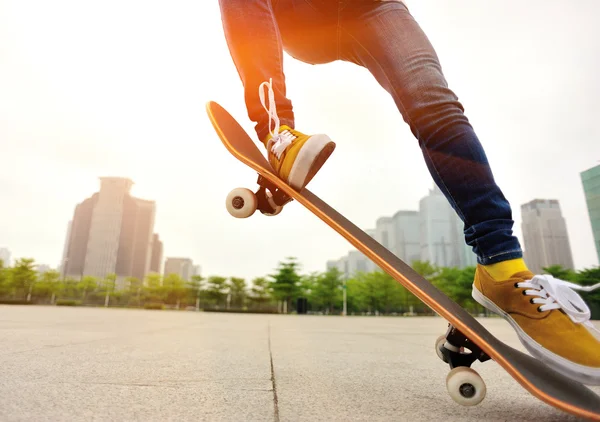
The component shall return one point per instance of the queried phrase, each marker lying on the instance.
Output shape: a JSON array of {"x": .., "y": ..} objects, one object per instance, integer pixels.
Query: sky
[{"x": 118, "y": 88}]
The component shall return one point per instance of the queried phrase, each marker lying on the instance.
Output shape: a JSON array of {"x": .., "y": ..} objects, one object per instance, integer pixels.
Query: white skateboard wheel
[
  {"x": 438, "y": 344},
  {"x": 465, "y": 386},
  {"x": 241, "y": 203}
]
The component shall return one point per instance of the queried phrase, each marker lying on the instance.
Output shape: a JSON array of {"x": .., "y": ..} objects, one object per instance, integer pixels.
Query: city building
[
  {"x": 406, "y": 227},
  {"x": 351, "y": 264},
  {"x": 442, "y": 235},
  {"x": 340, "y": 264},
  {"x": 5, "y": 257},
  {"x": 368, "y": 265},
  {"x": 435, "y": 233},
  {"x": 385, "y": 233},
  {"x": 42, "y": 268},
  {"x": 591, "y": 188},
  {"x": 62, "y": 267},
  {"x": 157, "y": 254},
  {"x": 545, "y": 237},
  {"x": 111, "y": 232},
  {"x": 183, "y": 267}
]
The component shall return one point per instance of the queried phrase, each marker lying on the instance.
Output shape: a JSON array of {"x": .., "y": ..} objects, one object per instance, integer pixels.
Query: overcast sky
[{"x": 118, "y": 88}]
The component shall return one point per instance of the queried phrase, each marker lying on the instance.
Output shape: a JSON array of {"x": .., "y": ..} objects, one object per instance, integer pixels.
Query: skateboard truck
[
  {"x": 464, "y": 385},
  {"x": 279, "y": 197},
  {"x": 268, "y": 199},
  {"x": 453, "y": 349}
]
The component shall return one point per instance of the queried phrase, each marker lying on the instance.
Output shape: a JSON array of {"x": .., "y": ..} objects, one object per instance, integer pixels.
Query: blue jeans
[{"x": 384, "y": 38}]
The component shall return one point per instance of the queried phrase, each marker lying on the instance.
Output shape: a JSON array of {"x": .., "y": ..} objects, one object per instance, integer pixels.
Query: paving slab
[
  {"x": 385, "y": 369},
  {"x": 77, "y": 364},
  {"x": 110, "y": 364}
]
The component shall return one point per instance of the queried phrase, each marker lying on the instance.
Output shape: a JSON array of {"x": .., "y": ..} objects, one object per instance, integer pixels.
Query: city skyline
[
  {"x": 403, "y": 244},
  {"x": 432, "y": 233},
  {"x": 67, "y": 118},
  {"x": 111, "y": 232}
]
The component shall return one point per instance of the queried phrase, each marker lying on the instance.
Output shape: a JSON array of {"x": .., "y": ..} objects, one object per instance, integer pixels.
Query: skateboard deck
[{"x": 541, "y": 381}]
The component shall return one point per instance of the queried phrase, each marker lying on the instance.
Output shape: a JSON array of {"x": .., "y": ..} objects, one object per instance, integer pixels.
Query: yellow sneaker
[
  {"x": 295, "y": 157},
  {"x": 550, "y": 318}
]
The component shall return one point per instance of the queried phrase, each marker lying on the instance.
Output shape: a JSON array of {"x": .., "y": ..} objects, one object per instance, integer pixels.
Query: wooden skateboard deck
[{"x": 542, "y": 382}]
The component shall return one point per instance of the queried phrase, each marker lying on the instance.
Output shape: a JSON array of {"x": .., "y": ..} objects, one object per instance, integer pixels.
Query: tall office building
[
  {"x": 5, "y": 257},
  {"x": 545, "y": 237},
  {"x": 407, "y": 243},
  {"x": 355, "y": 261},
  {"x": 370, "y": 265},
  {"x": 351, "y": 264},
  {"x": 183, "y": 267},
  {"x": 467, "y": 256},
  {"x": 65, "y": 254},
  {"x": 111, "y": 232},
  {"x": 591, "y": 188},
  {"x": 384, "y": 232},
  {"x": 442, "y": 238},
  {"x": 157, "y": 254}
]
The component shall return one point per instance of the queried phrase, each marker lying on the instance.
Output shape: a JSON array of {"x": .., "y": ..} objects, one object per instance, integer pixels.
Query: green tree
[
  {"x": 23, "y": 277},
  {"x": 259, "y": 292},
  {"x": 215, "y": 290},
  {"x": 174, "y": 288},
  {"x": 237, "y": 290},
  {"x": 328, "y": 290},
  {"x": 590, "y": 277},
  {"x": 153, "y": 292},
  {"x": 365, "y": 286},
  {"x": 5, "y": 285},
  {"x": 425, "y": 268},
  {"x": 195, "y": 288},
  {"x": 87, "y": 285},
  {"x": 462, "y": 291},
  {"x": 68, "y": 288},
  {"x": 285, "y": 283},
  {"x": 48, "y": 285},
  {"x": 559, "y": 272},
  {"x": 357, "y": 299},
  {"x": 389, "y": 292},
  {"x": 308, "y": 288},
  {"x": 109, "y": 287},
  {"x": 134, "y": 289}
]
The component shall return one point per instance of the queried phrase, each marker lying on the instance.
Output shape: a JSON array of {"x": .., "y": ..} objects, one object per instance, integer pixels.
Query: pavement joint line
[{"x": 275, "y": 400}]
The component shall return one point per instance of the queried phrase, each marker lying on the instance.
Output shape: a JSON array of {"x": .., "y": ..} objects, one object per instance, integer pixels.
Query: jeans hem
[{"x": 501, "y": 256}]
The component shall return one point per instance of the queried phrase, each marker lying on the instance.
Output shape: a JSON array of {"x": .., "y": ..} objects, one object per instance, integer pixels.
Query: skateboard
[{"x": 465, "y": 341}]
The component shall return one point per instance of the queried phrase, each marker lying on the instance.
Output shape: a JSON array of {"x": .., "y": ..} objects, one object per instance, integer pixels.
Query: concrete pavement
[{"x": 77, "y": 364}]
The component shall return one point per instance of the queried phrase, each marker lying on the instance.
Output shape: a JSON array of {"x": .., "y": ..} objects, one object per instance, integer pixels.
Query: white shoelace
[
  {"x": 280, "y": 141},
  {"x": 553, "y": 293}
]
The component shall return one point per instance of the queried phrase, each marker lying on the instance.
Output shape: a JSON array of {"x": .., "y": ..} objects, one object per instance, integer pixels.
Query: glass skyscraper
[{"x": 591, "y": 188}]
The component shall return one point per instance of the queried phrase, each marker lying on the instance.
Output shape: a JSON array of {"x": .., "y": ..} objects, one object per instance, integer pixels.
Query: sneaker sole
[
  {"x": 583, "y": 374},
  {"x": 309, "y": 161}
]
